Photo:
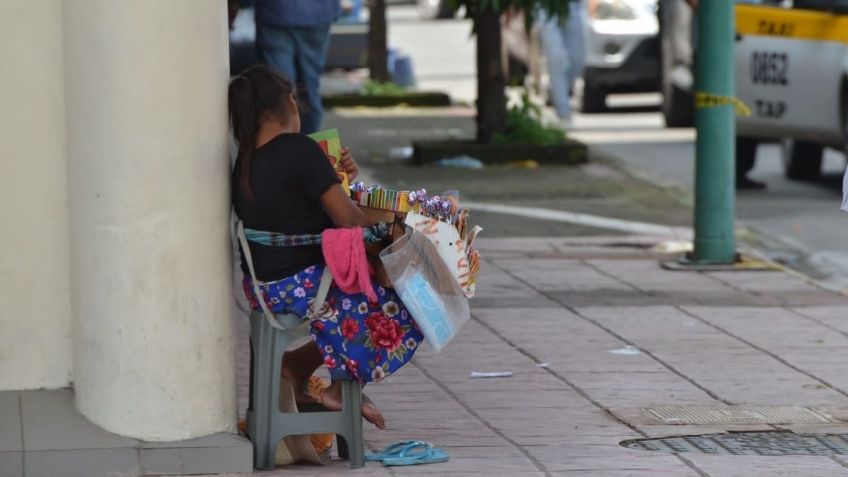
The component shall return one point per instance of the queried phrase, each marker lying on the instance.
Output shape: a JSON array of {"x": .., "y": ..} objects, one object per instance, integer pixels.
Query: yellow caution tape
[{"x": 709, "y": 100}]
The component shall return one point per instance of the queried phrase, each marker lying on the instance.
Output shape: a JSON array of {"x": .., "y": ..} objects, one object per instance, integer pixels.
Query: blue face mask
[{"x": 428, "y": 310}]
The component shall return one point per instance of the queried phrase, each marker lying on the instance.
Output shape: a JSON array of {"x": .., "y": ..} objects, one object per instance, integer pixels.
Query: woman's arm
[{"x": 341, "y": 209}]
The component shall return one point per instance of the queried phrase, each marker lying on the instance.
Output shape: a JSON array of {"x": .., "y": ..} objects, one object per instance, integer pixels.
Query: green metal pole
[{"x": 715, "y": 180}]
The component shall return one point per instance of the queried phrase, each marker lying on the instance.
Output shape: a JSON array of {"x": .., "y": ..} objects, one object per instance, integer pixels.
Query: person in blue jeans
[
  {"x": 292, "y": 36},
  {"x": 565, "y": 51}
]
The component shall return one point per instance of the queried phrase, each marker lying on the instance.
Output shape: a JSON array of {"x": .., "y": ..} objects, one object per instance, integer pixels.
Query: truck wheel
[
  {"x": 435, "y": 9},
  {"x": 802, "y": 160},
  {"x": 594, "y": 97}
]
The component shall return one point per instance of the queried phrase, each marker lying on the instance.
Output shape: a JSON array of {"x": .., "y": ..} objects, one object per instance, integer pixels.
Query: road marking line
[{"x": 640, "y": 228}]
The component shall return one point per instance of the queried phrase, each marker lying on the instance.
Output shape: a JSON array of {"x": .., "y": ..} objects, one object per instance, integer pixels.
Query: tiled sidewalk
[{"x": 552, "y": 310}]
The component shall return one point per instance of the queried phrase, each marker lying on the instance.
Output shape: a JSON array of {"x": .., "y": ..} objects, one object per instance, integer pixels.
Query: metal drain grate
[
  {"x": 747, "y": 443},
  {"x": 738, "y": 415}
]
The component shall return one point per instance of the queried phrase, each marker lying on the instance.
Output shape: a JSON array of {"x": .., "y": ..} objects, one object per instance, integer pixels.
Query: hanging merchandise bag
[
  {"x": 427, "y": 287},
  {"x": 452, "y": 249}
]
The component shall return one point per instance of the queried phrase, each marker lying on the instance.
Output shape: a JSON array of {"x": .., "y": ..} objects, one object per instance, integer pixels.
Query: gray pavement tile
[
  {"x": 613, "y": 241},
  {"x": 50, "y": 422},
  {"x": 560, "y": 275},
  {"x": 448, "y": 440},
  {"x": 12, "y": 464},
  {"x": 414, "y": 470},
  {"x": 461, "y": 425},
  {"x": 696, "y": 430},
  {"x": 492, "y": 465},
  {"x": 639, "y": 389},
  {"x": 495, "y": 283},
  {"x": 748, "y": 376},
  {"x": 764, "y": 282},
  {"x": 217, "y": 440},
  {"x": 509, "y": 452},
  {"x": 82, "y": 463},
  {"x": 560, "y": 454},
  {"x": 833, "y": 316},
  {"x": 516, "y": 399},
  {"x": 523, "y": 303},
  {"x": 746, "y": 466},
  {"x": 389, "y": 405},
  {"x": 712, "y": 297},
  {"x": 10, "y": 422},
  {"x": 614, "y": 297},
  {"x": 648, "y": 275},
  {"x": 600, "y": 435},
  {"x": 195, "y": 460},
  {"x": 493, "y": 246},
  {"x": 622, "y": 462},
  {"x": 516, "y": 383},
  {"x": 336, "y": 468},
  {"x": 687, "y": 472},
  {"x": 803, "y": 343},
  {"x": 591, "y": 251},
  {"x": 600, "y": 361},
  {"x": 806, "y": 298}
]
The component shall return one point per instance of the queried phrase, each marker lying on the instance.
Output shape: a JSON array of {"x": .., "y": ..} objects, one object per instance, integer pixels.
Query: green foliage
[
  {"x": 524, "y": 125},
  {"x": 374, "y": 88}
]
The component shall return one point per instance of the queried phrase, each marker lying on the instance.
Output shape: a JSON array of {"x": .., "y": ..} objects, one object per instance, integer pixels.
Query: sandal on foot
[
  {"x": 418, "y": 453},
  {"x": 392, "y": 450}
]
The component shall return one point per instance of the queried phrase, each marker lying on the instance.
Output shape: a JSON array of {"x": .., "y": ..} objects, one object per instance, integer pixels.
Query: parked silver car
[{"x": 622, "y": 50}]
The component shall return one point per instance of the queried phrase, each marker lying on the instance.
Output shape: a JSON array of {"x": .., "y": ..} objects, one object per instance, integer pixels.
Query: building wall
[{"x": 35, "y": 330}]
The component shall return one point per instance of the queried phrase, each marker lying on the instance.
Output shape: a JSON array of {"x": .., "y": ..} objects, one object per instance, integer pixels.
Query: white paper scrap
[
  {"x": 495, "y": 374},
  {"x": 542, "y": 365},
  {"x": 628, "y": 350}
]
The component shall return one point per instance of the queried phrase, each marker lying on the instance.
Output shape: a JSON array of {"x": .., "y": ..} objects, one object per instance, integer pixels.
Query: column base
[
  {"x": 741, "y": 263},
  {"x": 61, "y": 441}
]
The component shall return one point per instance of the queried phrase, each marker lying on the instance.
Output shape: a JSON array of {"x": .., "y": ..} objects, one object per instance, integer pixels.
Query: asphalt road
[{"x": 798, "y": 223}]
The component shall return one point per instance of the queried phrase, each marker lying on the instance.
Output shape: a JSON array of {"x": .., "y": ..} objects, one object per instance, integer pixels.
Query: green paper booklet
[{"x": 331, "y": 144}]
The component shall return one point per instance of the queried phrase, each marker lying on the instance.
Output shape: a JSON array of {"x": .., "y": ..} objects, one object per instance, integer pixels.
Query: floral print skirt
[{"x": 359, "y": 339}]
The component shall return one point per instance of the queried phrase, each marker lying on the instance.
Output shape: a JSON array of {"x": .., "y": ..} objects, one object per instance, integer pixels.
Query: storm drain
[
  {"x": 764, "y": 443},
  {"x": 738, "y": 415}
]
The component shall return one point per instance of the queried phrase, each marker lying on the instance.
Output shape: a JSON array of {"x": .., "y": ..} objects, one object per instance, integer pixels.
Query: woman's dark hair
[{"x": 257, "y": 91}]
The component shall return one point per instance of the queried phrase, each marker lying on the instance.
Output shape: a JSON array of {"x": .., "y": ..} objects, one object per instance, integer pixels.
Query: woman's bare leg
[
  {"x": 331, "y": 398},
  {"x": 301, "y": 363},
  {"x": 298, "y": 365}
]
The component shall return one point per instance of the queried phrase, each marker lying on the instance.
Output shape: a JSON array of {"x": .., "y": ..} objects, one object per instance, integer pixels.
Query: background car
[
  {"x": 622, "y": 50},
  {"x": 435, "y": 9},
  {"x": 792, "y": 71}
]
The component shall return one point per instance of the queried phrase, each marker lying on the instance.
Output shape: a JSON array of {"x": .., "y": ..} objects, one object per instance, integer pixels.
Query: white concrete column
[
  {"x": 35, "y": 318},
  {"x": 151, "y": 288}
]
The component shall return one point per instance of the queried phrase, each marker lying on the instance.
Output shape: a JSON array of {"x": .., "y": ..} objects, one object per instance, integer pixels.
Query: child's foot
[{"x": 332, "y": 400}]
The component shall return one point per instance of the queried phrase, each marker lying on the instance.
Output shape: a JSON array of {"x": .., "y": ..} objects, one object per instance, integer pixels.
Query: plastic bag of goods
[{"x": 426, "y": 286}]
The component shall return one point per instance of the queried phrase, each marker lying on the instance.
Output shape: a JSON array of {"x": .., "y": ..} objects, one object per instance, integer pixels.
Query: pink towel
[{"x": 344, "y": 252}]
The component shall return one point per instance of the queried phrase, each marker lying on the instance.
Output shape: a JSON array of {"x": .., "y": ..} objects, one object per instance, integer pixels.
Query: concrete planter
[
  {"x": 417, "y": 99},
  {"x": 572, "y": 152}
]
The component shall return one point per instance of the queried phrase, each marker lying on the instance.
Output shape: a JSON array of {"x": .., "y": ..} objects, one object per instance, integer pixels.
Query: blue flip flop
[
  {"x": 392, "y": 450},
  {"x": 418, "y": 453}
]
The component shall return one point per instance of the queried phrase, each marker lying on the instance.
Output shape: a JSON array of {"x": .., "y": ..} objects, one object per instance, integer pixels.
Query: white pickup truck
[{"x": 792, "y": 72}]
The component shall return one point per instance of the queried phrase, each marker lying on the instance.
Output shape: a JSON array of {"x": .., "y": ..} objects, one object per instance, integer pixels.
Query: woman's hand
[{"x": 348, "y": 165}]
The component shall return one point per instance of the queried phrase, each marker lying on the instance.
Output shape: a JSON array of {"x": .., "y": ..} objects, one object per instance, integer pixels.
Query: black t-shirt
[{"x": 288, "y": 175}]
